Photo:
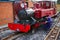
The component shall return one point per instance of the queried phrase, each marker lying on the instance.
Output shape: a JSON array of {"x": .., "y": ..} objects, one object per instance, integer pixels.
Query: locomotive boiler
[{"x": 29, "y": 18}]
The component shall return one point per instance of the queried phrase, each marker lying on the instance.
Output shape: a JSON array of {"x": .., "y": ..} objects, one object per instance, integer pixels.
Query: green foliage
[{"x": 58, "y": 1}]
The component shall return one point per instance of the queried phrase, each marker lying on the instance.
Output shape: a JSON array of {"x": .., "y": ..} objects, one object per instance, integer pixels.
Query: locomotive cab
[{"x": 47, "y": 7}]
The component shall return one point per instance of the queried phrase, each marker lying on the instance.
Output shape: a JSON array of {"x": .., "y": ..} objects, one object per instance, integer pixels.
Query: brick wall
[
  {"x": 30, "y": 4},
  {"x": 6, "y": 13}
]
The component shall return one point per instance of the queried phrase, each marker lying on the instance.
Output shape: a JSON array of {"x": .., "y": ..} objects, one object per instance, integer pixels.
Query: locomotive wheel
[{"x": 32, "y": 30}]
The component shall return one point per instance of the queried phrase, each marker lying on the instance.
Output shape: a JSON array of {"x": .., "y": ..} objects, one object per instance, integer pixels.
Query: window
[
  {"x": 54, "y": 4},
  {"x": 47, "y": 3},
  {"x": 43, "y": 4}
]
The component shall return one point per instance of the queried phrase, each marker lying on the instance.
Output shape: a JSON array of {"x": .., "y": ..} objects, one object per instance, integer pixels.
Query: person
[
  {"x": 23, "y": 4},
  {"x": 18, "y": 6},
  {"x": 48, "y": 23}
]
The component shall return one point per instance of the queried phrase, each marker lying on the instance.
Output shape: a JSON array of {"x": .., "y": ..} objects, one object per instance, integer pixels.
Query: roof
[{"x": 44, "y": 0}]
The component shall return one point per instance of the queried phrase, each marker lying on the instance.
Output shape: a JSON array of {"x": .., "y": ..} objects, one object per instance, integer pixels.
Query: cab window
[{"x": 46, "y": 5}]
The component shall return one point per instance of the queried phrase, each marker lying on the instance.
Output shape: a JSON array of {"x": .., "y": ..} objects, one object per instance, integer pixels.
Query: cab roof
[{"x": 44, "y": 0}]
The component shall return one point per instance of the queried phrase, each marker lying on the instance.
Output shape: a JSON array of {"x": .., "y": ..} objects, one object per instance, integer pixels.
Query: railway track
[
  {"x": 58, "y": 36},
  {"x": 16, "y": 35},
  {"x": 55, "y": 31},
  {"x": 12, "y": 36},
  {"x": 53, "y": 34},
  {"x": 4, "y": 29}
]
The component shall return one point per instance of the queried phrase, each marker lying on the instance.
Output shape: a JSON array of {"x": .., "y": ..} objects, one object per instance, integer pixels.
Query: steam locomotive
[{"x": 29, "y": 18}]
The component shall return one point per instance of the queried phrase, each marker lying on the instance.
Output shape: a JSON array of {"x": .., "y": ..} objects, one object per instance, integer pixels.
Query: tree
[{"x": 58, "y": 1}]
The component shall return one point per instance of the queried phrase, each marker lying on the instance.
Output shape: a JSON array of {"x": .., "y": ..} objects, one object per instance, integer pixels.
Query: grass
[{"x": 58, "y": 7}]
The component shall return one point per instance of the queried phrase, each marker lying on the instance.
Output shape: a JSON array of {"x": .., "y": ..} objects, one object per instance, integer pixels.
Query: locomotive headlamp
[{"x": 29, "y": 11}]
